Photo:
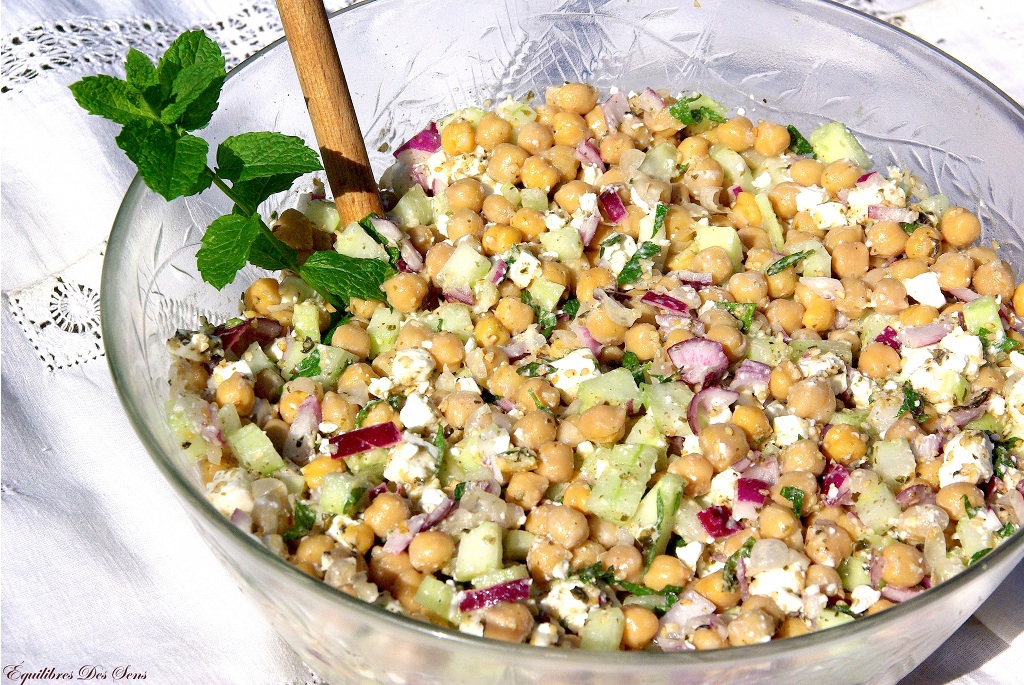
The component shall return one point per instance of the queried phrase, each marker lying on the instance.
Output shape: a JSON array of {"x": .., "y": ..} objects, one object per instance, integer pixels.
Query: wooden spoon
[{"x": 330, "y": 108}]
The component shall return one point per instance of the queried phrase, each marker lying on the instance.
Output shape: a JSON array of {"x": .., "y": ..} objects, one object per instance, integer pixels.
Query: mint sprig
[{"x": 158, "y": 107}]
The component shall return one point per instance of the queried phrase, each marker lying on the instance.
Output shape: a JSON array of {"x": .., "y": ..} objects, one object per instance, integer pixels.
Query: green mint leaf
[
  {"x": 252, "y": 193},
  {"x": 346, "y": 277},
  {"x": 596, "y": 572},
  {"x": 545, "y": 319},
  {"x": 741, "y": 311},
  {"x": 909, "y": 228},
  {"x": 1008, "y": 345},
  {"x": 571, "y": 308},
  {"x": 263, "y": 154},
  {"x": 141, "y": 74},
  {"x": 171, "y": 165},
  {"x": 702, "y": 113},
  {"x": 225, "y": 248},
  {"x": 533, "y": 369},
  {"x": 797, "y": 143},
  {"x": 613, "y": 239},
  {"x": 191, "y": 47},
  {"x": 460, "y": 490},
  {"x": 631, "y": 363},
  {"x": 659, "y": 218},
  {"x": 730, "y": 579},
  {"x": 1006, "y": 531},
  {"x": 977, "y": 556},
  {"x": 781, "y": 265},
  {"x": 111, "y": 98},
  {"x": 309, "y": 366},
  {"x": 271, "y": 254},
  {"x": 682, "y": 113},
  {"x": 441, "y": 444},
  {"x": 194, "y": 96},
  {"x": 912, "y": 404},
  {"x": 796, "y": 498},
  {"x": 633, "y": 269},
  {"x": 971, "y": 511},
  {"x": 394, "y": 254},
  {"x": 303, "y": 522}
]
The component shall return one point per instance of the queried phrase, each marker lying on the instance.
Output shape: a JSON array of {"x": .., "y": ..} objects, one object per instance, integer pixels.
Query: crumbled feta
[
  {"x": 225, "y": 370},
  {"x": 790, "y": 429},
  {"x": 592, "y": 174},
  {"x": 863, "y": 596},
  {"x": 861, "y": 198},
  {"x": 553, "y": 221},
  {"x": 472, "y": 623},
  {"x": 411, "y": 366},
  {"x": 723, "y": 487},
  {"x": 523, "y": 269},
  {"x": 410, "y": 463},
  {"x": 691, "y": 445},
  {"x": 467, "y": 384},
  {"x": 816, "y": 202},
  {"x": 925, "y": 289},
  {"x": 817, "y": 364},
  {"x": 784, "y": 585},
  {"x": 588, "y": 203},
  {"x": 417, "y": 412},
  {"x": 570, "y": 601},
  {"x": 690, "y": 554},
  {"x": 861, "y": 388},
  {"x": 618, "y": 253},
  {"x": 940, "y": 372},
  {"x": 967, "y": 458},
  {"x": 571, "y": 370},
  {"x": 544, "y": 635},
  {"x": 431, "y": 499},
  {"x": 814, "y": 602},
  {"x": 380, "y": 387},
  {"x": 229, "y": 490}
]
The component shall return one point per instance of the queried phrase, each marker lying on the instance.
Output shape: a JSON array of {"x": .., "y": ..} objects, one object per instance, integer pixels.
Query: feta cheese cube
[
  {"x": 723, "y": 487},
  {"x": 790, "y": 429},
  {"x": 925, "y": 289},
  {"x": 229, "y": 490},
  {"x": 571, "y": 370},
  {"x": 967, "y": 458},
  {"x": 524, "y": 269},
  {"x": 863, "y": 596},
  {"x": 417, "y": 412},
  {"x": 411, "y": 366}
]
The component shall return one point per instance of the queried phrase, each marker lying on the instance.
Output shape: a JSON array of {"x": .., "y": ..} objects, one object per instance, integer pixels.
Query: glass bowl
[{"x": 407, "y": 61}]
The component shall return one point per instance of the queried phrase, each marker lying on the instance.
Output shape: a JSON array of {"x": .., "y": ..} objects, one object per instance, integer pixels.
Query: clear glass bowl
[{"x": 407, "y": 61}]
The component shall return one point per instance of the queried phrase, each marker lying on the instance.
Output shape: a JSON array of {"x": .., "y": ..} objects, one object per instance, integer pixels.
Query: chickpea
[
  {"x": 696, "y": 470},
  {"x": 723, "y": 444},
  {"x": 840, "y": 175},
  {"x": 508, "y": 622},
  {"x": 535, "y": 137},
  {"x": 382, "y": 413},
  {"x": 792, "y": 626},
  {"x": 625, "y": 562},
  {"x": 918, "y": 315},
  {"x": 715, "y": 261},
  {"x": 640, "y": 628},
  {"x": 812, "y": 398},
  {"x": 603, "y": 424},
  {"x": 465, "y": 222},
  {"x": 783, "y": 199},
  {"x": 878, "y": 360},
  {"x": 612, "y": 147},
  {"x": 466, "y": 193},
  {"x": 902, "y": 565},
  {"x": 737, "y": 134},
  {"x": 693, "y": 147},
  {"x": 960, "y": 227},
  {"x": 806, "y": 172},
  {"x": 667, "y": 570},
  {"x": 567, "y": 526},
  {"x": 604, "y": 329},
  {"x": 890, "y": 296},
  {"x": 492, "y": 130},
  {"x": 526, "y": 489},
  {"x": 447, "y": 350},
  {"x": 843, "y": 444},
  {"x": 568, "y": 195},
  {"x": 497, "y": 209},
  {"x": 458, "y": 137},
  {"x": 534, "y": 429},
  {"x": 777, "y": 522},
  {"x": 459, "y": 406},
  {"x": 514, "y": 314},
  {"x": 772, "y": 140},
  {"x": 799, "y": 480},
  {"x": 591, "y": 279},
  {"x": 537, "y": 172},
  {"x": 907, "y": 268},
  {"x": 537, "y": 391},
  {"x": 825, "y": 578},
  {"x": 981, "y": 255},
  {"x": 263, "y": 294},
  {"x": 953, "y": 498},
  {"x": 643, "y": 340},
  {"x": 490, "y": 331},
  {"x": 405, "y": 292},
  {"x": 994, "y": 278},
  {"x": 803, "y": 455},
  {"x": 563, "y": 159},
  {"x": 556, "y": 462},
  {"x": 819, "y": 313},
  {"x": 785, "y": 315},
  {"x": 841, "y": 235},
  {"x": 355, "y": 375},
  {"x": 545, "y": 558},
  {"x": 850, "y": 259},
  {"x": 312, "y": 548},
  {"x": 782, "y": 379},
  {"x": 506, "y": 161},
  {"x": 351, "y": 338},
  {"x": 437, "y": 257},
  {"x": 430, "y": 550},
  {"x": 385, "y": 512},
  {"x": 569, "y": 129},
  {"x": 827, "y": 544},
  {"x": 339, "y": 411},
  {"x": 753, "y": 421},
  {"x": 578, "y": 98},
  {"x": 751, "y": 627},
  {"x": 733, "y": 342},
  {"x": 854, "y": 299},
  {"x": 237, "y": 390},
  {"x": 500, "y": 238},
  {"x": 749, "y": 286},
  {"x": 712, "y": 587},
  {"x": 708, "y": 638},
  {"x": 586, "y": 554},
  {"x": 924, "y": 244}
]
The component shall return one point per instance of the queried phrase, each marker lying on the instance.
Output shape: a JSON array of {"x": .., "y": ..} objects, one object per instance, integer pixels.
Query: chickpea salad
[{"x": 647, "y": 376}]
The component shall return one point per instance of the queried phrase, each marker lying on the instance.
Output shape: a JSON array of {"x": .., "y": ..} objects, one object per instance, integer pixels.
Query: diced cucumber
[
  {"x": 661, "y": 162},
  {"x": 515, "y": 113},
  {"x": 645, "y": 432},
  {"x": 603, "y": 630},
  {"x": 983, "y": 315},
  {"x": 254, "y": 450},
  {"x": 872, "y": 325},
  {"x": 439, "y": 205},
  {"x": 564, "y": 242},
  {"x": 511, "y": 193},
  {"x": 503, "y": 575},
  {"x": 463, "y": 267},
  {"x": 414, "y": 209},
  {"x": 767, "y": 350},
  {"x": 464, "y": 461},
  {"x": 653, "y": 521},
  {"x": 295, "y": 287},
  {"x": 480, "y": 552},
  {"x": 973, "y": 536},
  {"x": 770, "y": 222},
  {"x": 451, "y": 317},
  {"x": 829, "y": 618},
  {"x": 618, "y": 489},
  {"x": 735, "y": 168},
  {"x": 703, "y": 101},
  {"x": 725, "y": 237},
  {"x": 306, "y": 321},
  {"x": 985, "y": 422},
  {"x": 819, "y": 263},
  {"x": 893, "y": 461},
  {"x": 534, "y": 198},
  {"x": 668, "y": 403},
  {"x": 229, "y": 421},
  {"x": 517, "y": 544},
  {"x": 324, "y": 214},
  {"x": 546, "y": 293},
  {"x": 833, "y": 142},
  {"x": 368, "y": 466},
  {"x": 292, "y": 478},
  {"x": 354, "y": 241},
  {"x": 617, "y": 388},
  {"x": 333, "y": 361},
  {"x": 437, "y": 598},
  {"x": 181, "y": 413},
  {"x": 853, "y": 417},
  {"x": 383, "y": 330},
  {"x": 936, "y": 205},
  {"x": 840, "y": 348},
  {"x": 257, "y": 359},
  {"x": 855, "y": 570},
  {"x": 877, "y": 508},
  {"x": 472, "y": 114},
  {"x": 687, "y": 525}
]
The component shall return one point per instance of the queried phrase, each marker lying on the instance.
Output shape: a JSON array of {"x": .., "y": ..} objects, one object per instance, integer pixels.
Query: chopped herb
[
  {"x": 613, "y": 239},
  {"x": 631, "y": 363},
  {"x": 971, "y": 511},
  {"x": 538, "y": 405},
  {"x": 664, "y": 379},
  {"x": 395, "y": 401},
  {"x": 683, "y": 114},
  {"x": 781, "y": 265},
  {"x": 796, "y": 498},
  {"x": 1005, "y": 346},
  {"x": 659, "y": 520},
  {"x": 1001, "y": 458},
  {"x": 441, "y": 444},
  {"x": 633, "y": 269},
  {"x": 977, "y": 556},
  {"x": 909, "y": 228},
  {"x": 741, "y": 311},
  {"x": 659, "y": 218},
  {"x": 304, "y": 519},
  {"x": 596, "y": 572},
  {"x": 352, "y": 502},
  {"x": 681, "y": 169},
  {"x": 394, "y": 254},
  {"x": 1006, "y": 531},
  {"x": 730, "y": 580},
  {"x": 571, "y": 308},
  {"x": 534, "y": 369},
  {"x": 545, "y": 319},
  {"x": 440, "y": 325},
  {"x": 309, "y": 366},
  {"x": 912, "y": 404},
  {"x": 459, "y": 491},
  {"x": 844, "y": 608},
  {"x": 797, "y": 143}
]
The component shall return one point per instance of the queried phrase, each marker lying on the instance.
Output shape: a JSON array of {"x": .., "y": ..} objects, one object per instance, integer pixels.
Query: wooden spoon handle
[{"x": 330, "y": 108}]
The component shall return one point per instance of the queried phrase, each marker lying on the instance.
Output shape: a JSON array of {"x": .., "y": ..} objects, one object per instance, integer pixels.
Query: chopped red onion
[
  {"x": 844, "y": 196},
  {"x": 427, "y": 140},
  {"x": 236, "y": 339},
  {"x": 498, "y": 272},
  {"x": 889, "y": 337},
  {"x": 588, "y": 154},
  {"x": 615, "y": 310},
  {"x": 916, "y": 494},
  {"x": 298, "y": 444},
  {"x": 665, "y": 302},
  {"x": 411, "y": 256},
  {"x": 515, "y": 349},
  {"x": 735, "y": 191},
  {"x": 422, "y": 177},
  {"x": 842, "y": 321},
  {"x": 870, "y": 179},
  {"x": 922, "y": 336},
  {"x": 397, "y": 541},
  {"x": 692, "y": 611},
  {"x": 835, "y": 485},
  {"x": 460, "y": 294},
  {"x": 823, "y": 287},
  {"x": 926, "y": 447},
  {"x": 701, "y": 360},
  {"x": 586, "y": 338},
  {"x": 704, "y": 402},
  {"x": 612, "y": 205},
  {"x": 876, "y": 569},
  {"x": 614, "y": 109},
  {"x": 764, "y": 469},
  {"x": 364, "y": 439},
  {"x": 899, "y": 594},
  {"x": 505, "y": 404},
  {"x": 962, "y": 416},
  {"x": 650, "y": 101},
  {"x": 717, "y": 521},
  {"x": 752, "y": 490},
  {"x": 964, "y": 294},
  {"x": 887, "y": 213},
  {"x": 511, "y": 591},
  {"x": 588, "y": 229},
  {"x": 693, "y": 278},
  {"x": 387, "y": 229},
  {"x": 381, "y": 489},
  {"x": 751, "y": 375},
  {"x": 242, "y": 519}
]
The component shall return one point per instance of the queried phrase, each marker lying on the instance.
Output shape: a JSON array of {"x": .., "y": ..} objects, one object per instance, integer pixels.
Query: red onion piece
[
  {"x": 650, "y": 101},
  {"x": 717, "y": 521},
  {"x": 612, "y": 205},
  {"x": 887, "y": 213},
  {"x": 926, "y": 447},
  {"x": 964, "y": 294},
  {"x": 764, "y": 469},
  {"x": 298, "y": 444},
  {"x": 735, "y": 191},
  {"x": 872, "y": 178},
  {"x": 387, "y": 230},
  {"x": 899, "y": 594},
  {"x": 836, "y": 476},
  {"x": 515, "y": 349},
  {"x": 823, "y": 287},
  {"x": 411, "y": 256},
  {"x": 588, "y": 228},
  {"x": 460, "y": 294},
  {"x": 706, "y": 400},
  {"x": 398, "y": 541},
  {"x": 752, "y": 490},
  {"x": 511, "y": 591},
  {"x": 237, "y": 339},
  {"x": 586, "y": 338},
  {"x": 665, "y": 302},
  {"x": 876, "y": 569},
  {"x": 505, "y": 404},
  {"x": 916, "y": 494},
  {"x": 588, "y": 154},
  {"x": 364, "y": 439},
  {"x": 693, "y": 278},
  {"x": 922, "y": 336},
  {"x": 381, "y": 489},
  {"x": 498, "y": 272},
  {"x": 242, "y": 519},
  {"x": 614, "y": 109},
  {"x": 689, "y": 613},
  {"x": 889, "y": 337},
  {"x": 962, "y": 416},
  {"x": 427, "y": 140},
  {"x": 422, "y": 177},
  {"x": 751, "y": 375},
  {"x": 701, "y": 360}
]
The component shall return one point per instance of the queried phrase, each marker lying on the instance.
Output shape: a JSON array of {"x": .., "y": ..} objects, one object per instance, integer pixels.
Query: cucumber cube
[
  {"x": 480, "y": 552},
  {"x": 618, "y": 489},
  {"x": 546, "y": 293},
  {"x": 616, "y": 387},
  {"x": 356, "y": 242},
  {"x": 565, "y": 242},
  {"x": 735, "y": 168},
  {"x": 721, "y": 236},
  {"x": 893, "y": 461},
  {"x": 437, "y": 598},
  {"x": 770, "y": 222},
  {"x": 414, "y": 209},
  {"x": 660, "y": 162},
  {"x": 383, "y": 330},
  {"x": 324, "y": 214},
  {"x": 254, "y": 450},
  {"x": 668, "y": 403},
  {"x": 534, "y": 198},
  {"x": 340, "y": 493},
  {"x": 306, "y": 321},
  {"x": 877, "y": 508},
  {"x": 603, "y": 630},
  {"x": 983, "y": 315},
  {"x": 463, "y": 267},
  {"x": 833, "y": 142}
]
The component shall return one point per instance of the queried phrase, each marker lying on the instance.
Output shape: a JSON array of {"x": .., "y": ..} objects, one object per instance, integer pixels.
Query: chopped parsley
[
  {"x": 741, "y": 311},
  {"x": 1004, "y": 346},
  {"x": 395, "y": 401},
  {"x": 633, "y": 269},
  {"x": 797, "y": 143},
  {"x": 631, "y": 363},
  {"x": 912, "y": 404},
  {"x": 796, "y": 498},
  {"x": 309, "y": 366},
  {"x": 459, "y": 491},
  {"x": 613, "y": 239},
  {"x": 730, "y": 581},
  {"x": 682, "y": 113},
  {"x": 977, "y": 556},
  {"x": 545, "y": 319},
  {"x": 909, "y": 228},
  {"x": 394, "y": 254},
  {"x": 1001, "y": 459},
  {"x": 659, "y": 218},
  {"x": 1006, "y": 531},
  {"x": 781, "y": 265},
  {"x": 595, "y": 573},
  {"x": 441, "y": 444},
  {"x": 534, "y": 369},
  {"x": 571, "y": 308},
  {"x": 538, "y": 405},
  {"x": 303, "y": 522},
  {"x": 971, "y": 511}
]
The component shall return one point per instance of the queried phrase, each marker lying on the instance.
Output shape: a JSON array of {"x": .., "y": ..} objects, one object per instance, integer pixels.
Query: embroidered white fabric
[{"x": 101, "y": 566}]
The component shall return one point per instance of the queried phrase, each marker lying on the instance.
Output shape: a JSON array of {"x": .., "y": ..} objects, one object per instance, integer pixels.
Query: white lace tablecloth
[{"x": 100, "y": 566}]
